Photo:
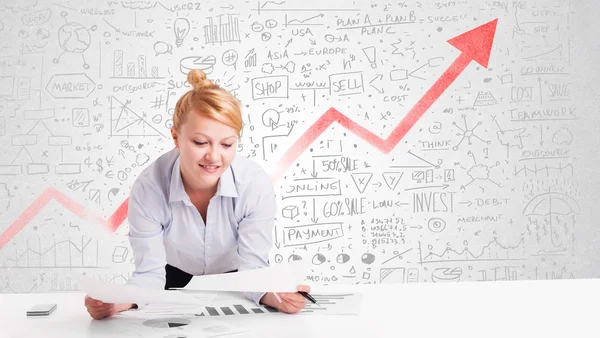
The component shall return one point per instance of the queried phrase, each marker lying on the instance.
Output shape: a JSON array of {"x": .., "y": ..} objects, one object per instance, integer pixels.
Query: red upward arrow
[{"x": 475, "y": 45}]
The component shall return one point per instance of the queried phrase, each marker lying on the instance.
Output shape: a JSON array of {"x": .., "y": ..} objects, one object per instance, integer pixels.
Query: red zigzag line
[{"x": 483, "y": 35}]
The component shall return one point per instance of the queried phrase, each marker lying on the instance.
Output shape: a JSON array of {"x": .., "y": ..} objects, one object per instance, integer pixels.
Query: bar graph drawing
[
  {"x": 223, "y": 30},
  {"x": 137, "y": 69}
]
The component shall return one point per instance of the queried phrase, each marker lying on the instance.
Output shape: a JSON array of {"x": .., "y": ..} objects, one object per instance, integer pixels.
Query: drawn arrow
[
  {"x": 277, "y": 244},
  {"x": 379, "y": 77},
  {"x": 314, "y": 173},
  {"x": 468, "y": 203},
  {"x": 314, "y": 217},
  {"x": 475, "y": 45},
  {"x": 444, "y": 186}
]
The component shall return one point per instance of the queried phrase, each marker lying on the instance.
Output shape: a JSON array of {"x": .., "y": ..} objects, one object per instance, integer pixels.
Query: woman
[{"x": 200, "y": 209}]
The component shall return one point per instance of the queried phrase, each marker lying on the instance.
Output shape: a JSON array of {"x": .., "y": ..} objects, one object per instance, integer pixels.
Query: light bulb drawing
[{"x": 181, "y": 29}]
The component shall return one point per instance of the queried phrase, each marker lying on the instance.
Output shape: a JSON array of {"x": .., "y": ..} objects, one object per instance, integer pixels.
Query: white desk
[{"x": 561, "y": 308}]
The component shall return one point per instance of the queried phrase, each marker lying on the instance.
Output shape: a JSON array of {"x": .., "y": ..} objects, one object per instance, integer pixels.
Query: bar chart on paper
[{"x": 329, "y": 304}]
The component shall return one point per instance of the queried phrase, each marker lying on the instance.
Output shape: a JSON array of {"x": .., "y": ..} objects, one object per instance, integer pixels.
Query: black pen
[{"x": 308, "y": 296}]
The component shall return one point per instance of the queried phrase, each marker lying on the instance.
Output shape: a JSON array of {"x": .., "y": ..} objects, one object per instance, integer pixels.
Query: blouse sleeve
[
  {"x": 145, "y": 210},
  {"x": 256, "y": 227}
]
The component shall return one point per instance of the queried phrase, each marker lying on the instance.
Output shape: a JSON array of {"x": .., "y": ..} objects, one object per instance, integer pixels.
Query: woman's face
[{"x": 206, "y": 148}]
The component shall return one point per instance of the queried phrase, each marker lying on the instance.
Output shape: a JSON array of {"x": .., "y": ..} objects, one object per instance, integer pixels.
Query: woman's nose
[{"x": 212, "y": 153}]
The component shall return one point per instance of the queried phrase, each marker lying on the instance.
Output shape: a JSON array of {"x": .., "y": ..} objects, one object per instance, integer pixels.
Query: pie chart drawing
[
  {"x": 441, "y": 275},
  {"x": 342, "y": 258},
  {"x": 197, "y": 62},
  {"x": 166, "y": 323}
]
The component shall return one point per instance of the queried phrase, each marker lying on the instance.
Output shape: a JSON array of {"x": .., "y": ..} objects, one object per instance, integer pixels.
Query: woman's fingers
[
  {"x": 105, "y": 311},
  {"x": 304, "y": 288},
  {"x": 98, "y": 309},
  {"x": 293, "y": 301},
  {"x": 93, "y": 302},
  {"x": 292, "y": 297}
]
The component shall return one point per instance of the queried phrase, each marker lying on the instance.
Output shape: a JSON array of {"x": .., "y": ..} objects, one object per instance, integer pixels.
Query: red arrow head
[{"x": 477, "y": 43}]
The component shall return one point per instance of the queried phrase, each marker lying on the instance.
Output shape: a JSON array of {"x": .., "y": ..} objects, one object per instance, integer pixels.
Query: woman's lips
[{"x": 210, "y": 168}]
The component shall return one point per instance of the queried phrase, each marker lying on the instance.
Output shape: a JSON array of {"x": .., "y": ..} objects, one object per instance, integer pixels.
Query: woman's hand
[
  {"x": 291, "y": 302},
  {"x": 98, "y": 309}
]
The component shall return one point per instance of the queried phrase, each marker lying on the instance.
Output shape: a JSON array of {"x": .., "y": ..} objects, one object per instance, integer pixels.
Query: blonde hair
[{"x": 210, "y": 100}]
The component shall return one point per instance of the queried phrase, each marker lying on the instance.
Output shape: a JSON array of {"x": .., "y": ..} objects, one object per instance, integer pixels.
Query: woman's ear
[{"x": 175, "y": 137}]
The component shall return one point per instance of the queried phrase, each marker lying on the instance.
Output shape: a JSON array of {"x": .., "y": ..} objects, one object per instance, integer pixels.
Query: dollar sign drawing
[{"x": 99, "y": 164}]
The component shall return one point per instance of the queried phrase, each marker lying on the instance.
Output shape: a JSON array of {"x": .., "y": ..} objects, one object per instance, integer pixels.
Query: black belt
[{"x": 177, "y": 278}]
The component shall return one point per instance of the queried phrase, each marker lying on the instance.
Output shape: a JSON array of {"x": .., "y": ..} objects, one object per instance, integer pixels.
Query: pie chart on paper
[{"x": 166, "y": 323}]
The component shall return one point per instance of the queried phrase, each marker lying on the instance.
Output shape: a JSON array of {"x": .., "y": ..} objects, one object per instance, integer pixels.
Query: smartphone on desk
[{"x": 41, "y": 310}]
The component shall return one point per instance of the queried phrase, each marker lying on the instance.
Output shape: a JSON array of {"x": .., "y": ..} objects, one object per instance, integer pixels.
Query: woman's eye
[
  {"x": 200, "y": 143},
  {"x": 227, "y": 145}
]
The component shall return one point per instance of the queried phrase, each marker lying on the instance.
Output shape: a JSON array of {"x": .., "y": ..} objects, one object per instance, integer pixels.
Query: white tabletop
[{"x": 560, "y": 308}]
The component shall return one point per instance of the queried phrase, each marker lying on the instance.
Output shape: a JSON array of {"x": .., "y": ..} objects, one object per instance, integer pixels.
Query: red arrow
[{"x": 475, "y": 45}]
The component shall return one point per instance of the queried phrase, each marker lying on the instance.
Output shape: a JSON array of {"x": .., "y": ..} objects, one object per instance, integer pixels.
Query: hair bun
[{"x": 197, "y": 78}]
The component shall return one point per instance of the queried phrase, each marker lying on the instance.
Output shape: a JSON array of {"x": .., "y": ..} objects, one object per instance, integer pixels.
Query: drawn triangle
[
  {"x": 353, "y": 270},
  {"x": 414, "y": 161},
  {"x": 361, "y": 180},
  {"x": 392, "y": 179},
  {"x": 23, "y": 157},
  {"x": 129, "y": 123},
  {"x": 126, "y": 117},
  {"x": 485, "y": 99}
]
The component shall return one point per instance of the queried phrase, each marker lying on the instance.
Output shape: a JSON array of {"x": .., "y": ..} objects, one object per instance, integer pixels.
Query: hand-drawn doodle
[
  {"x": 562, "y": 136},
  {"x": 138, "y": 4},
  {"x": 230, "y": 58},
  {"x": 224, "y": 30},
  {"x": 181, "y": 28},
  {"x": 436, "y": 224},
  {"x": 161, "y": 47},
  {"x": 126, "y": 122},
  {"x": 441, "y": 275},
  {"x": 133, "y": 70},
  {"x": 73, "y": 37},
  {"x": 197, "y": 62},
  {"x": 467, "y": 133}
]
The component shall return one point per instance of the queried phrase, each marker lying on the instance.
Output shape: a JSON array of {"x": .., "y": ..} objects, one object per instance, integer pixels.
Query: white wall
[{"x": 495, "y": 181}]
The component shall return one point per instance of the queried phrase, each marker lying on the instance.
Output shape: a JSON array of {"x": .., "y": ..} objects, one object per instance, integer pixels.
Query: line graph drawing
[
  {"x": 65, "y": 253},
  {"x": 304, "y": 22},
  {"x": 478, "y": 52},
  {"x": 261, "y": 8},
  {"x": 492, "y": 251}
]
